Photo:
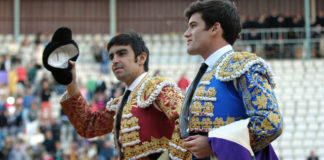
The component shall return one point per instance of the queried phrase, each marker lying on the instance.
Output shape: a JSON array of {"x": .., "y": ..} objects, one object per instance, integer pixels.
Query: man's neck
[
  {"x": 136, "y": 81},
  {"x": 214, "y": 47}
]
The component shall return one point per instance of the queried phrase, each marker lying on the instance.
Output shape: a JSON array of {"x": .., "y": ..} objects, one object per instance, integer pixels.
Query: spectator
[
  {"x": 290, "y": 48},
  {"x": 3, "y": 126},
  {"x": 31, "y": 72},
  {"x": 7, "y": 147},
  {"x": 183, "y": 83},
  {"x": 262, "y": 21},
  {"x": 317, "y": 35},
  {"x": 12, "y": 81},
  {"x": 33, "y": 112},
  {"x": 107, "y": 152},
  {"x": 96, "y": 51},
  {"x": 253, "y": 36},
  {"x": 298, "y": 21},
  {"x": 49, "y": 142},
  {"x": 38, "y": 149},
  {"x": 104, "y": 66},
  {"x": 36, "y": 140},
  {"x": 100, "y": 85},
  {"x": 18, "y": 152},
  {"x": 55, "y": 130},
  {"x": 271, "y": 49},
  {"x": 319, "y": 19},
  {"x": 281, "y": 21},
  {"x": 272, "y": 19},
  {"x": 91, "y": 88},
  {"x": 288, "y": 20},
  {"x": 2, "y": 63},
  {"x": 45, "y": 103},
  {"x": 28, "y": 99},
  {"x": 26, "y": 51},
  {"x": 58, "y": 151},
  {"x": 7, "y": 62},
  {"x": 312, "y": 156},
  {"x": 38, "y": 38},
  {"x": 13, "y": 49},
  {"x": 243, "y": 20}
]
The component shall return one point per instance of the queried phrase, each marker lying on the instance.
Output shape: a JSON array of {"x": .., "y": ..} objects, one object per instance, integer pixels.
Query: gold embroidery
[
  {"x": 208, "y": 107},
  {"x": 207, "y": 123},
  {"x": 211, "y": 92},
  {"x": 235, "y": 63},
  {"x": 274, "y": 118},
  {"x": 200, "y": 91},
  {"x": 154, "y": 144},
  {"x": 129, "y": 123},
  {"x": 208, "y": 76},
  {"x": 150, "y": 87},
  {"x": 129, "y": 137},
  {"x": 196, "y": 107},
  {"x": 261, "y": 101}
]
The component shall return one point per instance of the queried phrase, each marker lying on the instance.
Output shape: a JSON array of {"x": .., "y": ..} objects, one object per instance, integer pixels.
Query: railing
[
  {"x": 276, "y": 33},
  {"x": 280, "y": 43}
]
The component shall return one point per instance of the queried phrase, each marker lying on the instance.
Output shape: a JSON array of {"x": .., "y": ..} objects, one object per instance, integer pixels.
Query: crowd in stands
[
  {"x": 28, "y": 129},
  {"x": 286, "y": 41},
  {"x": 276, "y": 20}
]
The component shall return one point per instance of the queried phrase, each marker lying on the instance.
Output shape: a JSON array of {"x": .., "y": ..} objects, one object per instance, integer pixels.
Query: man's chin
[
  {"x": 191, "y": 52},
  {"x": 119, "y": 76}
]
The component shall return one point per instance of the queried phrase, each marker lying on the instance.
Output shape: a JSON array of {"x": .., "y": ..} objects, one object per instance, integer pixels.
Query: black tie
[
  {"x": 184, "y": 115},
  {"x": 119, "y": 115}
]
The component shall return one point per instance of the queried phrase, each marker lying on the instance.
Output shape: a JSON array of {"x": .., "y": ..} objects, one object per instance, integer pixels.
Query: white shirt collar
[
  {"x": 213, "y": 58},
  {"x": 136, "y": 82}
]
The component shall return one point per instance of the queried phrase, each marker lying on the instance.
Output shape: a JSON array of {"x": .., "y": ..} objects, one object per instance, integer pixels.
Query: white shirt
[
  {"x": 136, "y": 82},
  {"x": 213, "y": 58}
]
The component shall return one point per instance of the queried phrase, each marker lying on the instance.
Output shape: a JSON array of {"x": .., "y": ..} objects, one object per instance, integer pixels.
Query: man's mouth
[
  {"x": 115, "y": 69},
  {"x": 188, "y": 41}
]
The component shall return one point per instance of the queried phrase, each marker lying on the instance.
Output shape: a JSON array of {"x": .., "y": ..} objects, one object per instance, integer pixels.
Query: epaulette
[
  {"x": 236, "y": 64},
  {"x": 151, "y": 88}
]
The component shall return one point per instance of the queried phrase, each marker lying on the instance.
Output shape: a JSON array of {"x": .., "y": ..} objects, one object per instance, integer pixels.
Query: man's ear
[
  {"x": 216, "y": 28},
  {"x": 141, "y": 58}
]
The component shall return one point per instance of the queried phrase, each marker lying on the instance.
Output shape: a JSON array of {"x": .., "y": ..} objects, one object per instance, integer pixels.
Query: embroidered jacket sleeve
[
  {"x": 261, "y": 105},
  {"x": 87, "y": 123}
]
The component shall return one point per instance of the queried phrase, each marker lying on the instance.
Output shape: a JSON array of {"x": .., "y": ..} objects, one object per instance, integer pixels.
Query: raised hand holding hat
[{"x": 57, "y": 54}]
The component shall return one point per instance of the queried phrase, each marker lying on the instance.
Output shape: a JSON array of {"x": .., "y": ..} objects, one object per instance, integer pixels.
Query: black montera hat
[{"x": 57, "y": 54}]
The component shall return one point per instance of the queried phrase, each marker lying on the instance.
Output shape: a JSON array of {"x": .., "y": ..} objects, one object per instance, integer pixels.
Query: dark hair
[
  {"x": 135, "y": 41},
  {"x": 221, "y": 11}
]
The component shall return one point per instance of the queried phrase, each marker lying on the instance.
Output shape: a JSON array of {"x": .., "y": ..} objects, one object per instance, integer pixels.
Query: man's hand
[
  {"x": 198, "y": 145},
  {"x": 72, "y": 88}
]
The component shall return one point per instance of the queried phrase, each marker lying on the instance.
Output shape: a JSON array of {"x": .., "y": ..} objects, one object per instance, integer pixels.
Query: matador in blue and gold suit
[{"x": 236, "y": 86}]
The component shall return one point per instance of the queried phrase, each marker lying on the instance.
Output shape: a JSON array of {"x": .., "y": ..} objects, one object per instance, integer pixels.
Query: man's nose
[
  {"x": 115, "y": 59},
  {"x": 187, "y": 33}
]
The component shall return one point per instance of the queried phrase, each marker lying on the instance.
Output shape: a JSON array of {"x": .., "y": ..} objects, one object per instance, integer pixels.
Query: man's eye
[
  {"x": 121, "y": 53},
  {"x": 111, "y": 57}
]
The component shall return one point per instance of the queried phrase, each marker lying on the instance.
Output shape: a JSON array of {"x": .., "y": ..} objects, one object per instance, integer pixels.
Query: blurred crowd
[
  {"x": 282, "y": 35},
  {"x": 278, "y": 20},
  {"x": 29, "y": 129}
]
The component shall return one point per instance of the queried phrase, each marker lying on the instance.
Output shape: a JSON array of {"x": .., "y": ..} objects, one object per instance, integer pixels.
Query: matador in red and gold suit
[{"x": 149, "y": 121}]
